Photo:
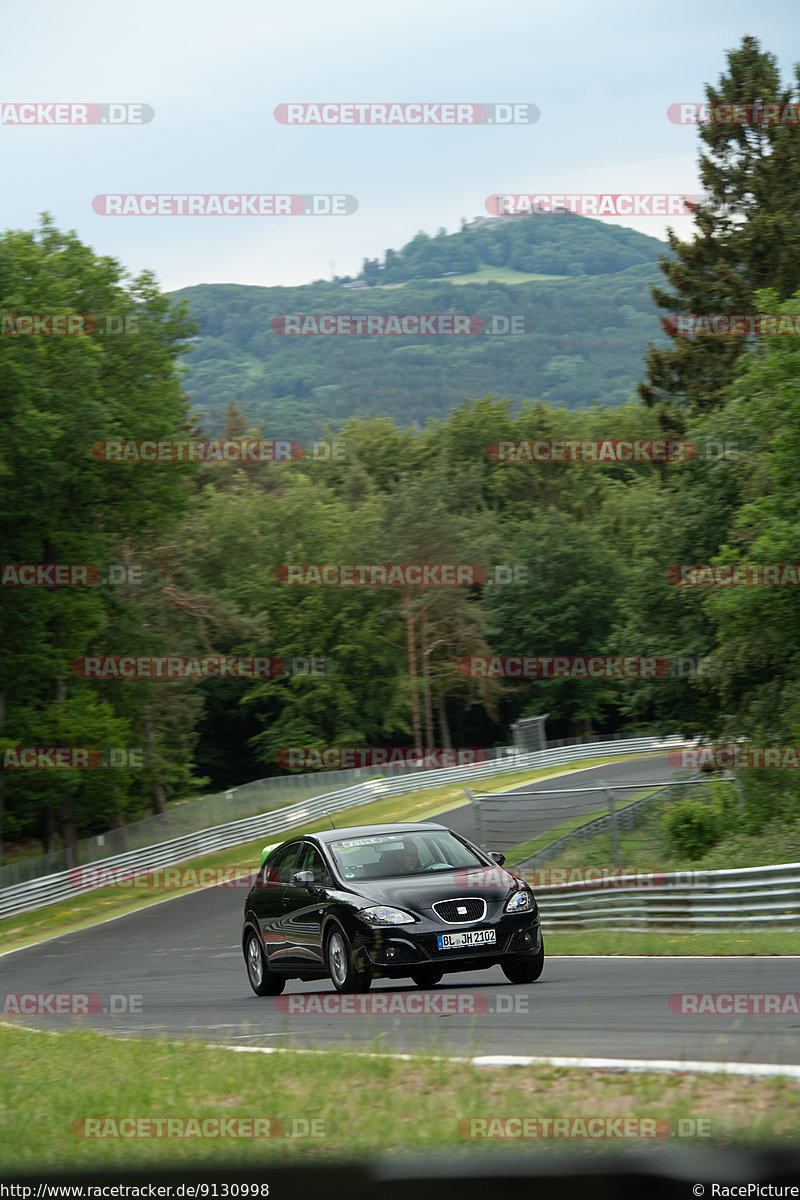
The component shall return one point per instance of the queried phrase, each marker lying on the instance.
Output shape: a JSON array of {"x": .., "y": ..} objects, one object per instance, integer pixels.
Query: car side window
[
  {"x": 279, "y": 865},
  {"x": 311, "y": 860}
]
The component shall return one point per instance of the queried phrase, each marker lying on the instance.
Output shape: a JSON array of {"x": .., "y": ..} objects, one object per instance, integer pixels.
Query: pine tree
[{"x": 747, "y": 236}]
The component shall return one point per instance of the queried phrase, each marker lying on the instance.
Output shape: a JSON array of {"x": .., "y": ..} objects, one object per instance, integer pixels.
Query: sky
[{"x": 602, "y": 75}]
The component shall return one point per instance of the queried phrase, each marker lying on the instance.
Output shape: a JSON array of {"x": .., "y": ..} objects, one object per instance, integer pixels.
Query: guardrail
[
  {"x": 244, "y": 800},
  {"x": 190, "y": 816},
  {"x": 63, "y": 885},
  {"x": 711, "y": 901}
]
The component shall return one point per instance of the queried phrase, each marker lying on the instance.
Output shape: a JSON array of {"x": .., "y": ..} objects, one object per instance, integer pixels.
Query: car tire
[
  {"x": 428, "y": 977},
  {"x": 263, "y": 981},
  {"x": 341, "y": 965},
  {"x": 525, "y": 970}
]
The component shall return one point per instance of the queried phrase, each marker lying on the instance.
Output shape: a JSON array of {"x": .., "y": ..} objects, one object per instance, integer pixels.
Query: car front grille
[{"x": 461, "y": 910}]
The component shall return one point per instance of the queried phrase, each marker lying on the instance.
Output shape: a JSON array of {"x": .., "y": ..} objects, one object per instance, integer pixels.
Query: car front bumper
[{"x": 398, "y": 950}]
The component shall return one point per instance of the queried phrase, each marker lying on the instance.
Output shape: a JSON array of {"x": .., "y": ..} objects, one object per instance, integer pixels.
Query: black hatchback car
[{"x": 398, "y": 901}]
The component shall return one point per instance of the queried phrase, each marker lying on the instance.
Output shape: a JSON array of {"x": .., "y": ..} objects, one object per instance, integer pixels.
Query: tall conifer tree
[{"x": 747, "y": 234}]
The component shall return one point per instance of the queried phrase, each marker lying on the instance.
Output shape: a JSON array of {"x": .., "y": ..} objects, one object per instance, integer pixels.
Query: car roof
[{"x": 326, "y": 836}]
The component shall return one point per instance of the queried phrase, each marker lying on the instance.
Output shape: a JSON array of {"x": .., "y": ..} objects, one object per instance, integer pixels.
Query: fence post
[
  {"x": 731, "y": 778},
  {"x": 476, "y": 805},
  {"x": 614, "y": 831}
]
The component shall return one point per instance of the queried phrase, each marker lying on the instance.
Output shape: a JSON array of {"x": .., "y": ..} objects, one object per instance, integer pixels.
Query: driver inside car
[{"x": 409, "y": 858}]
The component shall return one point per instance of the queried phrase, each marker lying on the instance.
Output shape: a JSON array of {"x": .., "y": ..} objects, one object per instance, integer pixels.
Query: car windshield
[{"x": 387, "y": 854}]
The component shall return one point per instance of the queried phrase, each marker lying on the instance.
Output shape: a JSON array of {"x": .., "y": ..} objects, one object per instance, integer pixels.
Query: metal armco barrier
[
  {"x": 251, "y": 799},
  {"x": 710, "y": 901},
  {"x": 50, "y": 889}
]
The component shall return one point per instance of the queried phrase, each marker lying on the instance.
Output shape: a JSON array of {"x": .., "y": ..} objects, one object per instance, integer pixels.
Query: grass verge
[
  {"x": 647, "y": 848},
  {"x": 354, "y": 1106},
  {"x": 670, "y": 942}
]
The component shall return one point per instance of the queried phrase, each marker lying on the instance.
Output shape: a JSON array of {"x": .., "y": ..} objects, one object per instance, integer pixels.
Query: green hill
[{"x": 582, "y": 288}]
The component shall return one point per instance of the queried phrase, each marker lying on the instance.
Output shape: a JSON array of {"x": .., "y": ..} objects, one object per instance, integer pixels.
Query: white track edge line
[
  {"x": 659, "y": 1065},
  {"x": 644, "y": 1065}
]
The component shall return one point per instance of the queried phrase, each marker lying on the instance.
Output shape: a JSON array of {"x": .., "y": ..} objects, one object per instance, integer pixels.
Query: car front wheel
[
  {"x": 525, "y": 970},
  {"x": 341, "y": 964},
  {"x": 262, "y": 980}
]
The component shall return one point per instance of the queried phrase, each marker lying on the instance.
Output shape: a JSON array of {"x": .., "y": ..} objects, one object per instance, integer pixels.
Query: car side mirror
[
  {"x": 497, "y": 857},
  {"x": 302, "y": 879}
]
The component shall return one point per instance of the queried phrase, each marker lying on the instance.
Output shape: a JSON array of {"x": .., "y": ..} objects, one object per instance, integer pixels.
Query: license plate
[{"x": 472, "y": 937}]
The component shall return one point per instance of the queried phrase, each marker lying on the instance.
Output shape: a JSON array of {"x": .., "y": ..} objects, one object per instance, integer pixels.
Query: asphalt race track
[{"x": 176, "y": 969}]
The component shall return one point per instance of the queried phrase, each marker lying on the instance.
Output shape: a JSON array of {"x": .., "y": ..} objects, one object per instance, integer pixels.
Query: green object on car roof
[{"x": 267, "y": 850}]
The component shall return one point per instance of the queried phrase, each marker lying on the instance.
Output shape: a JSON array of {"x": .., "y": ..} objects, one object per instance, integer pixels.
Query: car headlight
[
  {"x": 521, "y": 901},
  {"x": 381, "y": 914}
]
